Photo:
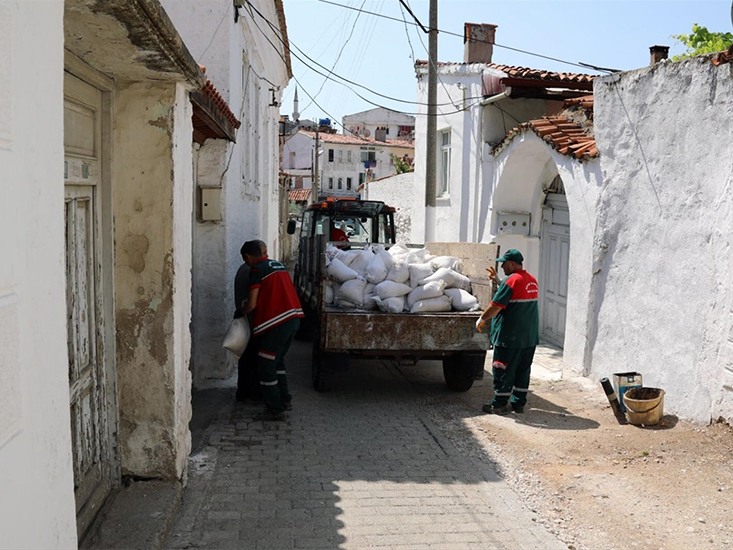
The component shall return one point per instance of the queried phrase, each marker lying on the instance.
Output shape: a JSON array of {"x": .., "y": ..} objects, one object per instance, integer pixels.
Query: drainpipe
[{"x": 488, "y": 101}]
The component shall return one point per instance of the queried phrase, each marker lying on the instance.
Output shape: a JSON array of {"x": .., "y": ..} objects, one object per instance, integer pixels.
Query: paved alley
[{"x": 361, "y": 467}]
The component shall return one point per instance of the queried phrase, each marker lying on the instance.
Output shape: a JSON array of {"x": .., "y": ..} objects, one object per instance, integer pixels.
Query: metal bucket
[{"x": 645, "y": 406}]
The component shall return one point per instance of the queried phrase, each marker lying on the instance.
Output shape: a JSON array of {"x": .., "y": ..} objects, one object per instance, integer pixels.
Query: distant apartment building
[
  {"x": 395, "y": 124},
  {"x": 344, "y": 163}
]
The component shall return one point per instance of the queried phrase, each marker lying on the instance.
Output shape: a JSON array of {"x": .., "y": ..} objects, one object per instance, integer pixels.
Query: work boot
[
  {"x": 288, "y": 405},
  {"x": 493, "y": 409},
  {"x": 519, "y": 409}
]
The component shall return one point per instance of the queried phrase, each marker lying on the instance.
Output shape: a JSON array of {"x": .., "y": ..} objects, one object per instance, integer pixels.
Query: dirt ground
[{"x": 596, "y": 484}]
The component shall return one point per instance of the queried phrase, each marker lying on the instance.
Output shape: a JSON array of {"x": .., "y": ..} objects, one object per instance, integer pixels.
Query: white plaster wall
[
  {"x": 238, "y": 59},
  {"x": 454, "y": 214},
  {"x": 399, "y": 192},
  {"x": 661, "y": 291},
  {"x": 36, "y": 479}
]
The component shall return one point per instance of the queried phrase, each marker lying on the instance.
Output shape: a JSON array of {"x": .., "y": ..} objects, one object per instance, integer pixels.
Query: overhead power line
[
  {"x": 276, "y": 32},
  {"x": 527, "y": 52},
  {"x": 409, "y": 10}
]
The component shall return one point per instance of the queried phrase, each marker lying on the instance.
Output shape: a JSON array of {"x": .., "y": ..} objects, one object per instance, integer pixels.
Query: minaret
[{"x": 296, "y": 114}]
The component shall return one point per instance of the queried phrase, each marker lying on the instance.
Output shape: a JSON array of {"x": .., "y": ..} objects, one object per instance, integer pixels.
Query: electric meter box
[
  {"x": 210, "y": 204},
  {"x": 514, "y": 223}
]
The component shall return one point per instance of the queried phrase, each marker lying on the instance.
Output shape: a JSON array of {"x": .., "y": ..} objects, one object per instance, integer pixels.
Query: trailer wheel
[
  {"x": 323, "y": 372},
  {"x": 458, "y": 371}
]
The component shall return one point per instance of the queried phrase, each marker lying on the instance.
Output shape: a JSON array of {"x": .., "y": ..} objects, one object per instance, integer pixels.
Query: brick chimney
[
  {"x": 658, "y": 53},
  {"x": 478, "y": 42}
]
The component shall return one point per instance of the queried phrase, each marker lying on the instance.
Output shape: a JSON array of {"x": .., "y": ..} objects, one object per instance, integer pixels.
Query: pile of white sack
[{"x": 397, "y": 280}]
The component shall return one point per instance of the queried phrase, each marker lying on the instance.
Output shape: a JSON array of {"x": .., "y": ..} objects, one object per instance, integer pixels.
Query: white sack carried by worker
[
  {"x": 361, "y": 261},
  {"x": 340, "y": 272},
  {"x": 419, "y": 272},
  {"x": 441, "y": 303},
  {"x": 399, "y": 272},
  {"x": 390, "y": 289},
  {"x": 461, "y": 300},
  {"x": 351, "y": 291},
  {"x": 451, "y": 262},
  {"x": 376, "y": 271},
  {"x": 424, "y": 292},
  {"x": 369, "y": 304},
  {"x": 395, "y": 304}
]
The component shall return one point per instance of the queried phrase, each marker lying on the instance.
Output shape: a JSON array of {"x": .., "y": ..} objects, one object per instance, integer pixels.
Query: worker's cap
[{"x": 511, "y": 255}]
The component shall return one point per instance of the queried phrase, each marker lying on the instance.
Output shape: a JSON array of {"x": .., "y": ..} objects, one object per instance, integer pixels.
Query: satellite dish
[
  {"x": 367, "y": 133},
  {"x": 353, "y": 130}
]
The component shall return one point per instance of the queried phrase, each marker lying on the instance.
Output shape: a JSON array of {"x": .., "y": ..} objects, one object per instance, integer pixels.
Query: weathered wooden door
[
  {"x": 84, "y": 300},
  {"x": 554, "y": 259}
]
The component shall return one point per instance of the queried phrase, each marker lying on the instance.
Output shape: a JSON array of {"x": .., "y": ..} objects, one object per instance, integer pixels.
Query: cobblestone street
[{"x": 361, "y": 467}]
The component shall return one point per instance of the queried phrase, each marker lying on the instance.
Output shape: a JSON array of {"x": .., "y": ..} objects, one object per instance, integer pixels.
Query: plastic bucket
[{"x": 644, "y": 406}]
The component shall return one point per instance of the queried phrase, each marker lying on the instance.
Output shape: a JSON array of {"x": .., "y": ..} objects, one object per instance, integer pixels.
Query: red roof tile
[
  {"x": 724, "y": 57},
  {"x": 211, "y": 91},
  {"x": 528, "y": 73},
  {"x": 562, "y": 134},
  {"x": 299, "y": 195}
]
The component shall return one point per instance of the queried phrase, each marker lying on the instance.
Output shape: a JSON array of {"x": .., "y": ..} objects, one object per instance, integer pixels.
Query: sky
[{"x": 378, "y": 53}]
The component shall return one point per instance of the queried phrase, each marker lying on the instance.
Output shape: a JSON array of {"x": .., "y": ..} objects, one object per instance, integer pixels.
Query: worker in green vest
[{"x": 514, "y": 333}]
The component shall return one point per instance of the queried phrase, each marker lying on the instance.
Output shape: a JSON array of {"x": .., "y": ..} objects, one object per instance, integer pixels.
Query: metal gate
[
  {"x": 554, "y": 259},
  {"x": 84, "y": 300}
]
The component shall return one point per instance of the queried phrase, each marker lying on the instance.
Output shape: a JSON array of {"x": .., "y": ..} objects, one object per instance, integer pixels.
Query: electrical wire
[
  {"x": 341, "y": 51},
  {"x": 527, "y": 52},
  {"x": 407, "y": 34},
  {"x": 409, "y": 10},
  {"x": 295, "y": 46},
  {"x": 277, "y": 50},
  {"x": 214, "y": 35}
]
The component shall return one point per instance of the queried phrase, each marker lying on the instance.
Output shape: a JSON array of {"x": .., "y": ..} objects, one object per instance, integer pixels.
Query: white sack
[
  {"x": 237, "y": 337},
  {"x": 361, "y": 261},
  {"x": 424, "y": 292},
  {"x": 340, "y": 272},
  {"x": 347, "y": 256},
  {"x": 451, "y": 262},
  {"x": 390, "y": 305},
  {"x": 352, "y": 291},
  {"x": 376, "y": 271},
  {"x": 386, "y": 258},
  {"x": 329, "y": 293},
  {"x": 419, "y": 272},
  {"x": 398, "y": 249},
  {"x": 390, "y": 289},
  {"x": 399, "y": 272},
  {"x": 441, "y": 303},
  {"x": 344, "y": 304},
  {"x": 461, "y": 300},
  {"x": 452, "y": 279},
  {"x": 368, "y": 295}
]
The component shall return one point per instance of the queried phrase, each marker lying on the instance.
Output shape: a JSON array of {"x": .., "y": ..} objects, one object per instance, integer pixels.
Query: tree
[
  {"x": 402, "y": 165},
  {"x": 702, "y": 41}
]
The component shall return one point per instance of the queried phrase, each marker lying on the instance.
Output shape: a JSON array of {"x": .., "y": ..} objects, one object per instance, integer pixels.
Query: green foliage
[
  {"x": 401, "y": 165},
  {"x": 702, "y": 41}
]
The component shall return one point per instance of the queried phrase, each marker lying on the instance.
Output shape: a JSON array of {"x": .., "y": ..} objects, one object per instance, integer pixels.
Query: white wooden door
[
  {"x": 554, "y": 259},
  {"x": 84, "y": 300}
]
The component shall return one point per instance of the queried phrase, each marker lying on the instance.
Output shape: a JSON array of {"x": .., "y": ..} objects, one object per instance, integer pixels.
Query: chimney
[
  {"x": 658, "y": 53},
  {"x": 380, "y": 134},
  {"x": 478, "y": 42}
]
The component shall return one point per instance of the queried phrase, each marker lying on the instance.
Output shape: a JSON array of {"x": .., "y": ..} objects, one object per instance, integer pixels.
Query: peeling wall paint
[{"x": 153, "y": 217}]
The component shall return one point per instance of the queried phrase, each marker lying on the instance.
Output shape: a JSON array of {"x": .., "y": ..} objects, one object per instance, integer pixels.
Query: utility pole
[
  {"x": 431, "y": 146},
  {"x": 314, "y": 185}
]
